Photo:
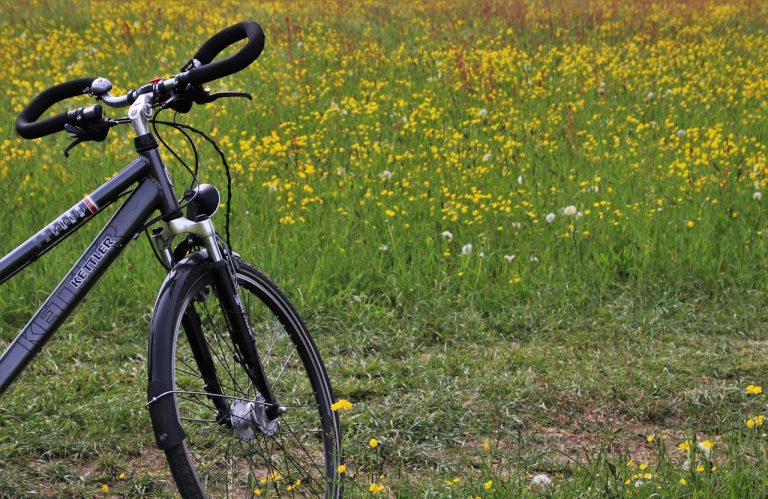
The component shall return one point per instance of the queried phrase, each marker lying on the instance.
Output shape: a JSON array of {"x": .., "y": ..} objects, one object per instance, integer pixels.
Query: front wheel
[{"x": 229, "y": 446}]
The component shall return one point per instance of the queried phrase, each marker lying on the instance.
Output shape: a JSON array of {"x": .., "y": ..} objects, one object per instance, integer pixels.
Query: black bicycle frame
[{"x": 153, "y": 192}]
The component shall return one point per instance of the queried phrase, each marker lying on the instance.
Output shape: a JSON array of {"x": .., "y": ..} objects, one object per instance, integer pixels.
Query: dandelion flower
[
  {"x": 487, "y": 485},
  {"x": 683, "y": 481},
  {"x": 105, "y": 488},
  {"x": 373, "y": 443},
  {"x": 685, "y": 446},
  {"x": 541, "y": 480},
  {"x": 342, "y": 404},
  {"x": 486, "y": 446},
  {"x": 341, "y": 469},
  {"x": 121, "y": 476},
  {"x": 700, "y": 468},
  {"x": 447, "y": 235},
  {"x": 754, "y": 389},
  {"x": 569, "y": 211},
  {"x": 759, "y": 420},
  {"x": 750, "y": 423},
  {"x": 649, "y": 438},
  {"x": 257, "y": 491},
  {"x": 550, "y": 218},
  {"x": 466, "y": 249},
  {"x": 375, "y": 488}
]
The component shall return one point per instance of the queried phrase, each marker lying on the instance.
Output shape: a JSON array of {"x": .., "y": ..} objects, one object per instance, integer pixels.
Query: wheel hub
[{"x": 249, "y": 417}]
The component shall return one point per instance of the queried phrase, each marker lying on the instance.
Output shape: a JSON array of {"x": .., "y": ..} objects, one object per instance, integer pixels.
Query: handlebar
[
  {"x": 196, "y": 72},
  {"x": 26, "y": 123},
  {"x": 206, "y": 70}
]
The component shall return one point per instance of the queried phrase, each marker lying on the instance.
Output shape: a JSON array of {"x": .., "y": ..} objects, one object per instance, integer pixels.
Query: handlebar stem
[{"x": 140, "y": 112}]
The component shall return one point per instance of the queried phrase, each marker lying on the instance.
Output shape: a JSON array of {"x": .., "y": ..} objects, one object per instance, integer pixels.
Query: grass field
[{"x": 528, "y": 237}]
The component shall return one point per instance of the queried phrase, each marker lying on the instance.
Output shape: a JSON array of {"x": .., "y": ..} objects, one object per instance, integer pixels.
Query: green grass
[{"x": 563, "y": 359}]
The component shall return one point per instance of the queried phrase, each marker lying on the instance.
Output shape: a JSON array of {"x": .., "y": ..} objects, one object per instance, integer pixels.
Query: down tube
[{"x": 80, "y": 279}]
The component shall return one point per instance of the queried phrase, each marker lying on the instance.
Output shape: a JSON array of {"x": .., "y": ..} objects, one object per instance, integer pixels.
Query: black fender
[{"x": 161, "y": 402}]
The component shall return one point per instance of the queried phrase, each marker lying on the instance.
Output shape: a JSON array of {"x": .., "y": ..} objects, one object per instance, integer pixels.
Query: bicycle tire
[{"x": 217, "y": 457}]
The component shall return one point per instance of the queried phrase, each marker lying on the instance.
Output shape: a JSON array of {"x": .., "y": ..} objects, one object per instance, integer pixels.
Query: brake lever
[
  {"x": 182, "y": 103},
  {"x": 208, "y": 98},
  {"x": 95, "y": 131}
]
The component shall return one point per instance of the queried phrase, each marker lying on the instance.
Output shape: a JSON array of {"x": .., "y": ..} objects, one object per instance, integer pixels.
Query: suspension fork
[
  {"x": 242, "y": 334},
  {"x": 225, "y": 283}
]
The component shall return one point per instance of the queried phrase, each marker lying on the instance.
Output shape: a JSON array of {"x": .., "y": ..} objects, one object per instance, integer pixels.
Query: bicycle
[{"x": 238, "y": 395}]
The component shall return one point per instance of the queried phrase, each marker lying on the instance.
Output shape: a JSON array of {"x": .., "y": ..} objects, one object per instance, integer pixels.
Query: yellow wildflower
[
  {"x": 343, "y": 405},
  {"x": 342, "y": 468},
  {"x": 683, "y": 481},
  {"x": 373, "y": 443},
  {"x": 754, "y": 389},
  {"x": 375, "y": 488},
  {"x": 105, "y": 488},
  {"x": 487, "y": 485}
]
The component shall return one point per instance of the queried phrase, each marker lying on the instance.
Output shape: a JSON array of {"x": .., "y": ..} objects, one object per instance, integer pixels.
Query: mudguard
[{"x": 161, "y": 402}]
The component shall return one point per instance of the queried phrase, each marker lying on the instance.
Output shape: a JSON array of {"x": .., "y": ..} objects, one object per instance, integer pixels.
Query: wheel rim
[{"x": 235, "y": 450}]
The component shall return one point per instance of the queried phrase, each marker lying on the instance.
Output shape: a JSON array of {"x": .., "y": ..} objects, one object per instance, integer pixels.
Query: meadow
[{"x": 528, "y": 237}]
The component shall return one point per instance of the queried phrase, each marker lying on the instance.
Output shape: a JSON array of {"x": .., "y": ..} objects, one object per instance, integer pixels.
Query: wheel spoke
[{"x": 288, "y": 456}]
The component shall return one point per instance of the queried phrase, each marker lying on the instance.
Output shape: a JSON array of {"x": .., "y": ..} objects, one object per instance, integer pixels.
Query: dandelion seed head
[
  {"x": 550, "y": 218},
  {"x": 466, "y": 249}
]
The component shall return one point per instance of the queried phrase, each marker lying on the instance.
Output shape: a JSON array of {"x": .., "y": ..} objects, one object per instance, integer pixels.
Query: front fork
[{"x": 241, "y": 333}]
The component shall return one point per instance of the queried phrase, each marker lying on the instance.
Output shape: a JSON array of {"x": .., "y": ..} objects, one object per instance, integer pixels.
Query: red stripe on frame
[{"x": 90, "y": 204}]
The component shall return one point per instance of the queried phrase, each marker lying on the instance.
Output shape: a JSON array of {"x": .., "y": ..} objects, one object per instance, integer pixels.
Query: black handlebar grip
[
  {"x": 210, "y": 71},
  {"x": 26, "y": 123}
]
